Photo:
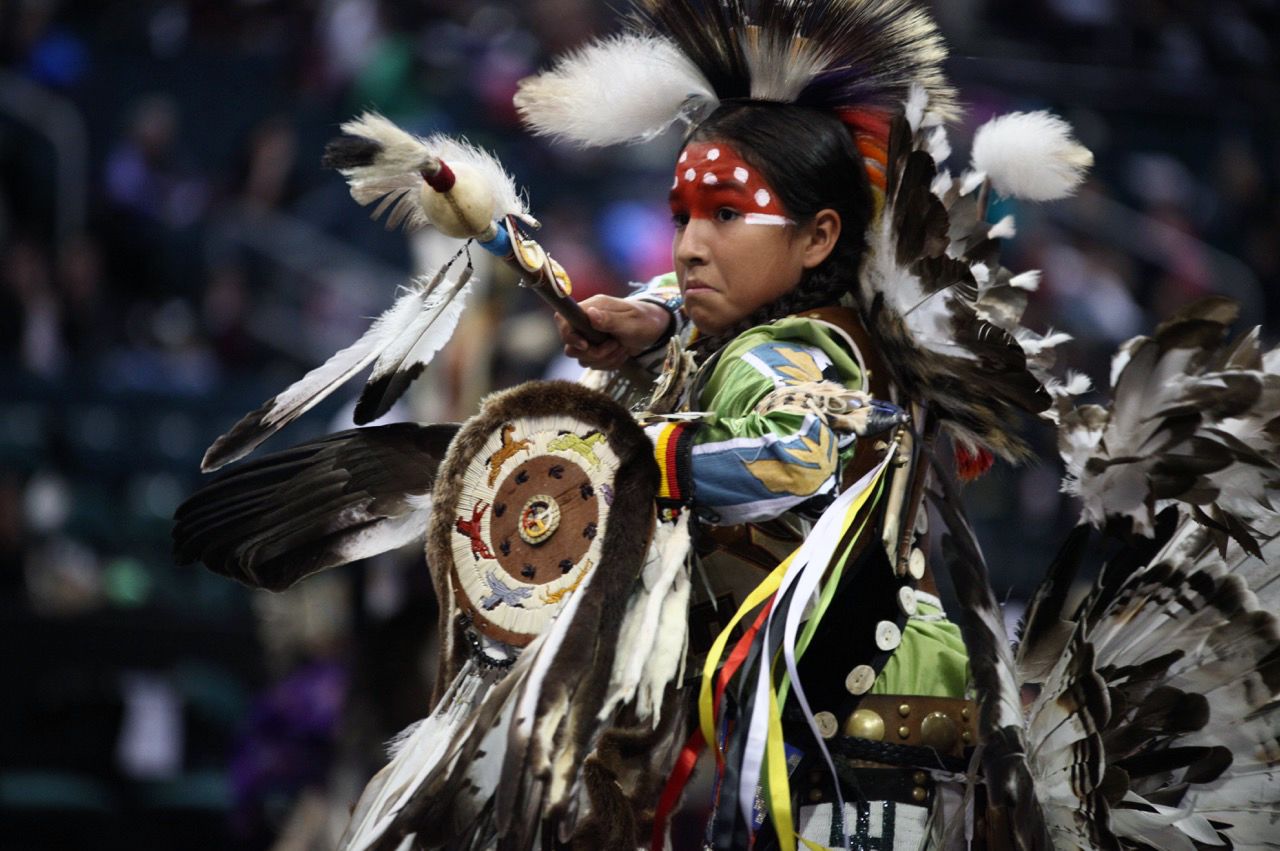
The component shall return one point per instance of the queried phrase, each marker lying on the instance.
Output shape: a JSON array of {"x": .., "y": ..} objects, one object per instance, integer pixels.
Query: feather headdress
[{"x": 855, "y": 59}]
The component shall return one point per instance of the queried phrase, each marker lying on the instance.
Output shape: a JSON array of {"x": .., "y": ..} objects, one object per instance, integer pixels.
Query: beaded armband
[
  {"x": 672, "y": 306},
  {"x": 672, "y": 449}
]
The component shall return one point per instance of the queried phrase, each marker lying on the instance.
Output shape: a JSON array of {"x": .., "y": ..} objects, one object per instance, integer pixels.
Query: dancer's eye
[
  {"x": 680, "y": 219},
  {"x": 727, "y": 214}
]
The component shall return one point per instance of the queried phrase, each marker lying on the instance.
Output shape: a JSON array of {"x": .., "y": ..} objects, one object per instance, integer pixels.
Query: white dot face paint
[
  {"x": 684, "y": 155},
  {"x": 675, "y": 181},
  {"x": 708, "y": 169}
]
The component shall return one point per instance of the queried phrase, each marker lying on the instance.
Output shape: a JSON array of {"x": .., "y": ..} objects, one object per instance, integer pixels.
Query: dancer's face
[{"x": 735, "y": 248}]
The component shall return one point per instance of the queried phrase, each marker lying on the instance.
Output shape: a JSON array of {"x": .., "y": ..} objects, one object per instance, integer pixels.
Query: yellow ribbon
[
  {"x": 829, "y": 589},
  {"x": 706, "y": 716},
  {"x": 778, "y": 793}
]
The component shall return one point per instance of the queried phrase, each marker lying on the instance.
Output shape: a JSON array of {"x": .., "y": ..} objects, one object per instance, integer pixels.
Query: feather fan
[
  {"x": 1191, "y": 422},
  {"x": 1157, "y": 720}
]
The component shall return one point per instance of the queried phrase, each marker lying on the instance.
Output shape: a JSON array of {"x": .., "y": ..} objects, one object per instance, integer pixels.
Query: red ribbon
[
  {"x": 683, "y": 769},
  {"x": 676, "y": 782}
]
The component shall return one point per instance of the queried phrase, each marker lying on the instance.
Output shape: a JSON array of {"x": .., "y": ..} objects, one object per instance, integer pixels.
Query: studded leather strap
[{"x": 945, "y": 724}]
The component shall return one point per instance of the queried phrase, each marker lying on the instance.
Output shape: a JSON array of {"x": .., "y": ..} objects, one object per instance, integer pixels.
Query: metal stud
[
  {"x": 938, "y": 731},
  {"x": 919, "y": 794},
  {"x": 904, "y": 732},
  {"x": 865, "y": 724},
  {"x": 904, "y": 709}
]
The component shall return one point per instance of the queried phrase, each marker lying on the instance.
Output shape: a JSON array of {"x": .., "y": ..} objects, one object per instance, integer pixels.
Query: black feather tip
[
  {"x": 350, "y": 152},
  {"x": 381, "y": 393}
]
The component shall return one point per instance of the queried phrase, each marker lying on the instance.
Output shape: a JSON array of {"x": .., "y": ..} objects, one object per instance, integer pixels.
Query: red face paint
[
  {"x": 728, "y": 266},
  {"x": 711, "y": 176}
]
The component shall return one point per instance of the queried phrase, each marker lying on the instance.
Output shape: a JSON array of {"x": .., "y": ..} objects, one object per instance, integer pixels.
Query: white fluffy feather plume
[
  {"x": 627, "y": 88},
  {"x": 1030, "y": 155},
  {"x": 392, "y": 174}
]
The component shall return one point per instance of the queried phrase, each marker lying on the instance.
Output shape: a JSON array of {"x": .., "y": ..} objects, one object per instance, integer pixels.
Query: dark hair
[{"x": 812, "y": 164}]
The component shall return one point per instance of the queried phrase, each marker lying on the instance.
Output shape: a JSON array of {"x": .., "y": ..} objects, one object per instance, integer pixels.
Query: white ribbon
[{"x": 806, "y": 571}]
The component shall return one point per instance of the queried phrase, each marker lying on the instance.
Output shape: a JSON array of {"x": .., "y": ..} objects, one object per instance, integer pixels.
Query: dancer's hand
[{"x": 633, "y": 327}]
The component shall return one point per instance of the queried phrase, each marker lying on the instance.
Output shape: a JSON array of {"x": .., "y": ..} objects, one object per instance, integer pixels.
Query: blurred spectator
[
  {"x": 269, "y": 179},
  {"x": 48, "y": 52},
  {"x": 29, "y": 290},
  {"x": 287, "y": 747},
  {"x": 144, "y": 173},
  {"x": 225, "y": 315},
  {"x": 153, "y": 194},
  {"x": 89, "y": 316}
]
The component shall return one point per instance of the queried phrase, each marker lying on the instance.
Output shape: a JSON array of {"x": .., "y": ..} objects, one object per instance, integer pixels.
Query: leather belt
[{"x": 946, "y": 725}]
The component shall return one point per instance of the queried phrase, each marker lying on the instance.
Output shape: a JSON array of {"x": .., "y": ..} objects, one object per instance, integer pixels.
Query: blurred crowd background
[{"x": 172, "y": 254}]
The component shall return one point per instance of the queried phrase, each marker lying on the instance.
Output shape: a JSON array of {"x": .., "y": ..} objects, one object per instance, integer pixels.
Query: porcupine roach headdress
[
  {"x": 931, "y": 288},
  {"x": 856, "y": 59}
]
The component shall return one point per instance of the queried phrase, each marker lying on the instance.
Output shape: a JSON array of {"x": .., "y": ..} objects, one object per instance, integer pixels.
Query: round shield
[{"x": 525, "y": 505}]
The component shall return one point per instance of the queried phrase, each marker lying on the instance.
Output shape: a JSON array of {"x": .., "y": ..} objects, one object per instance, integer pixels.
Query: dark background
[{"x": 172, "y": 254}]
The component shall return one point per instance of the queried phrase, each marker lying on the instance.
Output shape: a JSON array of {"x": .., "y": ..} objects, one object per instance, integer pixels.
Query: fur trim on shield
[{"x": 634, "y": 497}]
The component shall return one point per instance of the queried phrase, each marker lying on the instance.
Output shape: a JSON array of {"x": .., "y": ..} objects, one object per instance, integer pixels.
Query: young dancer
[
  {"x": 771, "y": 204},
  {"x": 836, "y": 319}
]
